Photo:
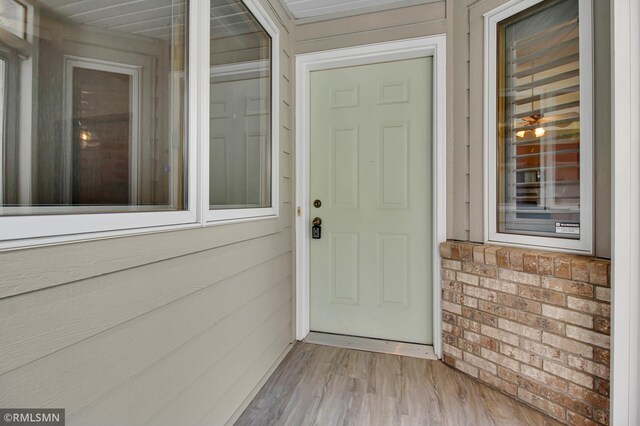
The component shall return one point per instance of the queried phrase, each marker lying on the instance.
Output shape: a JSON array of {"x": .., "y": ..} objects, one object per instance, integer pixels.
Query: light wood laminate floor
[{"x": 322, "y": 385}]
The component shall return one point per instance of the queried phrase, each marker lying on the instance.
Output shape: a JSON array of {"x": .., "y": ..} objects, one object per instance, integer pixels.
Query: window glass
[
  {"x": 13, "y": 17},
  {"x": 240, "y": 110},
  {"x": 539, "y": 121},
  {"x": 98, "y": 96}
]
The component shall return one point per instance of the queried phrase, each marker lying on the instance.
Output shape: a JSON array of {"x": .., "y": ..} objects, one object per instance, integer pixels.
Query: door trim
[{"x": 434, "y": 46}]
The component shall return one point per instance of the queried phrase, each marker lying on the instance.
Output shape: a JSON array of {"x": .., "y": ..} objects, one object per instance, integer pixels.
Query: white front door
[{"x": 371, "y": 170}]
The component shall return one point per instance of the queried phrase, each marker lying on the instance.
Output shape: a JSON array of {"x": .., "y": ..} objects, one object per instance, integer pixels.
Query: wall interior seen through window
[{"x": 100, "y": 101}]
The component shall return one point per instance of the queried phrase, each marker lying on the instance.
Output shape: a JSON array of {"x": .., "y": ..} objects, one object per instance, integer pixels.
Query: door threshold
[{"x": 412, "y": 350}]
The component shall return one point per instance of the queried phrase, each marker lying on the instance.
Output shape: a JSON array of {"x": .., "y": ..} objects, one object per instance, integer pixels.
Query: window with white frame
[
  {"x": 539, "y": 124},
  {"x": 99, "y": 129},
  {"x": 242, "y": 144}
]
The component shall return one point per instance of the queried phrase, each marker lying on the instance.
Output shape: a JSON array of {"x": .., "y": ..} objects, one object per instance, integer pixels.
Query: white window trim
[
  {"x": 38, "y": 230},
  {"x": 585, "y": 244},
  {"x": 214, "y": 217}
]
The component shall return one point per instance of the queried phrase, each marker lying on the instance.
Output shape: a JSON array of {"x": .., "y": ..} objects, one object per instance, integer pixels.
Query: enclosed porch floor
[{"x": 323, "y": 385}]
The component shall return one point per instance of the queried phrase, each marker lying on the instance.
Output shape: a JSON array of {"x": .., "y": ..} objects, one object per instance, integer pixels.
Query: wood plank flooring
[{"x": 322, "y": 385}]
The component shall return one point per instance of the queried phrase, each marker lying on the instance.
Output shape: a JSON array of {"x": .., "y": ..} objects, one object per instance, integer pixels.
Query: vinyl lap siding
[{"x": 168, "y": 328}]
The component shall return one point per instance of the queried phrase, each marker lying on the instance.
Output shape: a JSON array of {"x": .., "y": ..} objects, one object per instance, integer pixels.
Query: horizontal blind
[{"x": 541, "y": 141}]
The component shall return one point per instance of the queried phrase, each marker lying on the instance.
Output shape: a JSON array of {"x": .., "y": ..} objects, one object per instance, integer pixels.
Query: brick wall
[{"x": 533, "y": 324}]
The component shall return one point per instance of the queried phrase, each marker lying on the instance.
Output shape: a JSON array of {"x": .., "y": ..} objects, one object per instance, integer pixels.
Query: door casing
[{"x": 434, "y": 46}]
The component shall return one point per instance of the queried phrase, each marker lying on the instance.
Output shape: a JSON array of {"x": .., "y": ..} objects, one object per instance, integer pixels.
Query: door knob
[{"x": 317, "y": 221}]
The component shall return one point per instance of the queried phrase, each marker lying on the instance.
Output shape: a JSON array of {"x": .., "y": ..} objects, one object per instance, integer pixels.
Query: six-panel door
[{"x": 371, "y": 167}]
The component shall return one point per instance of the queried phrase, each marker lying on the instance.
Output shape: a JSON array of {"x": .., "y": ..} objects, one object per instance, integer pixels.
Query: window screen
[{"x": 539, "y": 121}]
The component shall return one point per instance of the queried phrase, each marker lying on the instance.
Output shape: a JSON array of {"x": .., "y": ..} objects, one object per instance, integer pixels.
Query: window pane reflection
[
  {"x": 94, "y": 103},
  {"x": 240, "y": 110}
]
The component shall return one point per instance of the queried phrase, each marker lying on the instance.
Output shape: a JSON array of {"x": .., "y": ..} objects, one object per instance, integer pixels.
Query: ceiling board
[{"x": 312, "y": 10}]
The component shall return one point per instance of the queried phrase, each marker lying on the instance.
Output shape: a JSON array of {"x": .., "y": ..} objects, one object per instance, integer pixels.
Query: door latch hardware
[{"x": 316, "y": 228}]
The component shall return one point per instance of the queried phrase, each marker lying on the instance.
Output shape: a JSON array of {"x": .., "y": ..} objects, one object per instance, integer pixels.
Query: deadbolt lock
[{"x": 317, "y": 204}]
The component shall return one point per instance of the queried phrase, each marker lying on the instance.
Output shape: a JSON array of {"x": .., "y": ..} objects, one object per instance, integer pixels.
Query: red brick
[
  {"x": 452, "y": 329},
  {"x": 452, "y": 286},
  {"x": 546, "y": 406},
  {"x": 519, "y": 303},
  {"x": 455, "y": 251},
  {"x": 480, "y": 293},
  {"x": 478, "y": 316},
  {"x": 603, "y": 294},
  {"x": 451, "y": 350},
  {"x": 567, "y": 315},
  {"x": 599, "y": 273},
  {"x": 498, "y": 310},
  {"x": 602, "y": 355},
  {"x": 603, "y": 325},
  {"x": 490, "y": 255},
  {"x": 601, "y": 416},
  {"x": 499, "y": 285},
  {"x": 589, "y": 306},
  {"x": 501, "y": 335},
  {"x": 544, "y": 377},
  {"x": 588, "y": 336},
  {"x": 580, "y": 270},
  {"x": 542, "y": 295},
  {"x": 602, "y": 386},
  {"x": 560, "y": 398},
  {"x": 547, "y": 351},
  {"x": 466, "y": 368},
  {"x": 466, "y": 253},
  {"x": 562, "y": 267},
  {"x": 478, "y": 254},
  {"x": 451, "y": 307},
  {"x": 588, "y": 366},
  {"x": 502, "y": 257},
  {"x": 445, "y": 250},
  {"x": 567, "y": 374},
  {"x": 530, "y": 263},
  {"x": 541, "y": 323},
  {"x": 449, "y": 317},
  {"x": 545, "y": 265},
  {"x": 449, "y": 339},
  {"x": 468, "y": 324},
  {"x": 567, "y": 286},
  {"x": 499, "y": 383},
  {"x": 478, "y": 269},
  {"x": 455, "y": 265},
  {"x": 508, "y": 375},
  {"x": 568, "y": 345},
  {"x": 468, "y": 278},
  {"x": 591, "y": 397},
  {"x": 516, "y": 260},
  {"x": 520, "y": 355},
  {"x": 469, "y": 347},
  {"x": 574, "y": 419},
  {"x": 480, "y": 363},
  {"x": 519, "y": 277},
  {"x": 501, "y": 360}
]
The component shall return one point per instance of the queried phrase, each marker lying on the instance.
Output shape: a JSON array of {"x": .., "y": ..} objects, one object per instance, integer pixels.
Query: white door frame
[
  {"x": 625, "y": 268},
  {"x": 433, "y": 46}
]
